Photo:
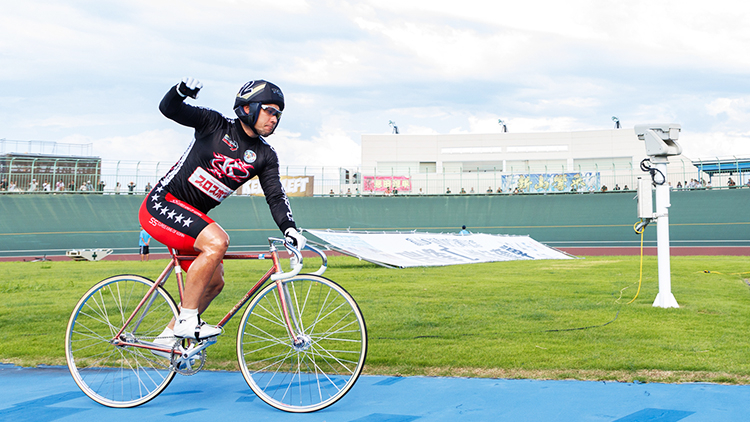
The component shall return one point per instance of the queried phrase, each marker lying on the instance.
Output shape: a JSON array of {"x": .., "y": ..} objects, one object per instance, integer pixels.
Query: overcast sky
[{"x": 94, "y": 71}]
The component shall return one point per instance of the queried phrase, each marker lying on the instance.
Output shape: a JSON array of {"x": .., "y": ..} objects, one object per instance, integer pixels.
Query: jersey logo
[
  {"x": 250, "y": 156},
  {"x": 231, "y": 142},
  {"x": 232, "y": 168},
  {"x": 208, "y": 184}
]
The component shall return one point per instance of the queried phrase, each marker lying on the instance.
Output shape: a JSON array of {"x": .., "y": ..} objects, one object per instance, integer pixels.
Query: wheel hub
[{"x": 302, "y": 343}]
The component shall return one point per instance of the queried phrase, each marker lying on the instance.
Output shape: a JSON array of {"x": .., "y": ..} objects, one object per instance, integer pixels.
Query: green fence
[{"x": 52, "y": 224}]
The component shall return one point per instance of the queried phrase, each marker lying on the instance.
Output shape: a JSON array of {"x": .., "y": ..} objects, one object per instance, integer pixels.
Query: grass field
[{"x": 523, "y": 319}]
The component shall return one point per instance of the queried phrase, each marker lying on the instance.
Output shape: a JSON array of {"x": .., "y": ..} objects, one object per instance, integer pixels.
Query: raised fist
[{"x": 189, "y": 87}]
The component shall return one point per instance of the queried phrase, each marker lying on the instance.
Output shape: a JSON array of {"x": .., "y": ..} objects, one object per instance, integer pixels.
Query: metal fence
[
  {"x": 59, "y": 167},
  {"x": 137, "y": 177}
]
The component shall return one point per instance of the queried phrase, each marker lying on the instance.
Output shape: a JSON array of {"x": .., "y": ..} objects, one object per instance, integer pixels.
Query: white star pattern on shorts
[
  {"x": 187, "y": 222},
  {"x": 164, "y": 210},
  {"x": 179, "y": 218},
  {"x": 171, "y": 214},
  {"x": 157, "y": 205},
  {"x": 155, "y": 197},
  {"x": 159, "y": 189}
]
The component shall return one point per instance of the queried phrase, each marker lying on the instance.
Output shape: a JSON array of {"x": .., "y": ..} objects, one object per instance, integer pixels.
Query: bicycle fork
[{"x": 300, "y": 341}]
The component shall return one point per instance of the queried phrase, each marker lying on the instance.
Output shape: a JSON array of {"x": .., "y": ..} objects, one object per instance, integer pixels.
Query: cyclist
[{"x": 224, "y": 154}]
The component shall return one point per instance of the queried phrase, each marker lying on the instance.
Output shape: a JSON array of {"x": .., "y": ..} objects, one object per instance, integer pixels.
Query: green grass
[{"x": 512, "y": 320}]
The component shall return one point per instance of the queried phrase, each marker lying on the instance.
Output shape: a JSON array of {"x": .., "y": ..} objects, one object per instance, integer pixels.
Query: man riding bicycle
[{"x": 224, "y": 154}]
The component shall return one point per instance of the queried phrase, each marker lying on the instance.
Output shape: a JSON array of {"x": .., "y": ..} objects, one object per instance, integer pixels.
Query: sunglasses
[{"x": 273, "y": 111}]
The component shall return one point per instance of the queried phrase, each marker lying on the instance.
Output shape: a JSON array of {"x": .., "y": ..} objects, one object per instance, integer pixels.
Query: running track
[{"x": 49, "y": 394}]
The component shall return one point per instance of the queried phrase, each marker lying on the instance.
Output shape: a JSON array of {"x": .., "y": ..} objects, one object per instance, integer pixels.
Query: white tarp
[{"x": 432, "y": 249}]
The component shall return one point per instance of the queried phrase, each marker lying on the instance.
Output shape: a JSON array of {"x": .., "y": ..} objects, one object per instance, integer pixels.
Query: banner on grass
[{"x": 431, "y": 249}]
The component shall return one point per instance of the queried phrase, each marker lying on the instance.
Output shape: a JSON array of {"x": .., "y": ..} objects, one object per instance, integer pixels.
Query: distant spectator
[
  {"x": 71, "y": 186},
  {"x": 12, "y": 187},
  {"x": 117, "y": 188},
  {"x": 708, "y": 184},
  {"x": 448, "y": 191},
  {"x": 83, "y": 188},
  {"x": 33, "y": 185},
  {"x": 148, "y": 187},
  {"x": 499, "y": 189},
  {"x": 463, "y": 191},
  {"x": 748, "y": 183},
  {"x": 489, "y": 189},
  {"x": 100, "y": 185},
  {"x": 516, "y": 191},
  {"x": 60, "y": 186},
  {"x": 89, "y": 186},
  {"x": 679, "y": 185},
  {"x": 731, "y": 183},
  {"x": 331, "y": 193},
  {"x": 703, "y": 183},
  {"x": 143, "y": 242},
  {"x": 420, "y": 191},
  {"x": 626, "y": 188},
  {"x": 472, "y": 190},
  {"x": 388, "y": 191},
  {"x": 4, "y": 184},
  {"x": 131, "y": 188},
  {"x": 604, "y": 188},
  {"x": 46, "y": 186},
  {"x": 617, "y": 187},
  {"x": 348, "y": 191},
  {"x": 463, "y": 231}
]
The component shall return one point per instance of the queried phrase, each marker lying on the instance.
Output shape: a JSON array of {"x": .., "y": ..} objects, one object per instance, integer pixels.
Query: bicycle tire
[
  {"x": 118, "y": 376},
  {"x": 292, "y": 379}
]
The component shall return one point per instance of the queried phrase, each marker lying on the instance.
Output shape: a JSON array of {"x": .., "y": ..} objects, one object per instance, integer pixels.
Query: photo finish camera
[{"x": 660, "y": 138}]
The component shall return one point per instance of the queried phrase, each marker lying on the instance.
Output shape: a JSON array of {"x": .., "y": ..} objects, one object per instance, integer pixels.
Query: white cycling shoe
[{"x": 192, "y": 327}]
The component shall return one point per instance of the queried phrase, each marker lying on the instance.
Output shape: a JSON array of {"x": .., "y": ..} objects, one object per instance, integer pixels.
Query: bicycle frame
[{"x": 275, "y": 274}]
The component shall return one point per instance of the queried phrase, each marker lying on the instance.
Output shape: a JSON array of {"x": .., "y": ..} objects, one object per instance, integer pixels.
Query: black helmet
[{"x": 255, "y": 94}]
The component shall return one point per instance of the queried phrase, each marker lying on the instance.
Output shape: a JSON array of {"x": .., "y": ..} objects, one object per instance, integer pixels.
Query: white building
[{"x": 533, "y": 162}]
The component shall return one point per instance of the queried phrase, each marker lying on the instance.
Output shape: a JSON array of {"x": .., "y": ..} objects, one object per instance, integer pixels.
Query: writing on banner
[
  {"x": 293, "y": 185},
  {"x": 387, "y": 183}
]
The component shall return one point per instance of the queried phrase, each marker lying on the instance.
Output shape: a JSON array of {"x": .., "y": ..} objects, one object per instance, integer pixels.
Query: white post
[{"x": 665, "y": 298}]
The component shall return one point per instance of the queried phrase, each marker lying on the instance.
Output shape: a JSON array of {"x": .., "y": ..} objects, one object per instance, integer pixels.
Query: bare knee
[{"x": 212, "y": 242}]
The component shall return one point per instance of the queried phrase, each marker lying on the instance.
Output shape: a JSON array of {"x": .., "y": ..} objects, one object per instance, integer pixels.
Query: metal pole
[{"x": 665, "y": 298}]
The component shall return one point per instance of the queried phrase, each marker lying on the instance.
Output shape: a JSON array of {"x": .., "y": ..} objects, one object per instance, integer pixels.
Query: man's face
[{"x": 267, "y": 121}]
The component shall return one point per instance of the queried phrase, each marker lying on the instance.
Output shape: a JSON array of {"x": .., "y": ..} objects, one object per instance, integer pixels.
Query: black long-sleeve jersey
[{"x": 220, "y": 159}]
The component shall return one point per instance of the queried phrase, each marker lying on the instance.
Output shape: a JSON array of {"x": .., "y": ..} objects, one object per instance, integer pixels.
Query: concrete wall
[{"x": 32, "y": 225}]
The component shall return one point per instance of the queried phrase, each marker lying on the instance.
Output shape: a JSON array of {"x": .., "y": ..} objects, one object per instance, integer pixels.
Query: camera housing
[{"x": 660, "y": 138}]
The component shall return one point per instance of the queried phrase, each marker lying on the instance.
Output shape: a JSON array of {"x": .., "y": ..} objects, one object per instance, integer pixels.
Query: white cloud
[
  {"x": 165, "y": 146},
  {"x": 735, "y": 109},
  {"x": 331, "y": 148},
  {"x": 711, "y": 145},
  {"x": 95, "y": 71}
]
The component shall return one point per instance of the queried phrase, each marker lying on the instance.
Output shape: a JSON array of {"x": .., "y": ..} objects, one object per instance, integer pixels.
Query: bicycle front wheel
[
  {"x": 328, "y": 357},
  {"x": 114, "y": 375}
]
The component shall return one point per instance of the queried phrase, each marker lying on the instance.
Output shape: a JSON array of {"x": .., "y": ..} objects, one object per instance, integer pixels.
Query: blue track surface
[{"x": 49, "y": 394}]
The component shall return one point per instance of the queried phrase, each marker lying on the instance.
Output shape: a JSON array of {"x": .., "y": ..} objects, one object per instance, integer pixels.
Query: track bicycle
[{"x": 301, "y": 343}]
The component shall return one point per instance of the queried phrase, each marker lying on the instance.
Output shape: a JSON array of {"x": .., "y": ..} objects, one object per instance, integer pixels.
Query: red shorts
[{"x": 172, "y": 222}]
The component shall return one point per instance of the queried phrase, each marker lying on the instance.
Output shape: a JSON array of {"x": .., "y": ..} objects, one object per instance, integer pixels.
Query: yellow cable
[{"x": 640, "y": 277}]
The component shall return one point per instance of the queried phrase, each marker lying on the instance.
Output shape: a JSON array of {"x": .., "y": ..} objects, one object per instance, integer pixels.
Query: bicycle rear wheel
[
  {"x": 316, "y": 373},
  {"x": 119, "y": 376}
]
